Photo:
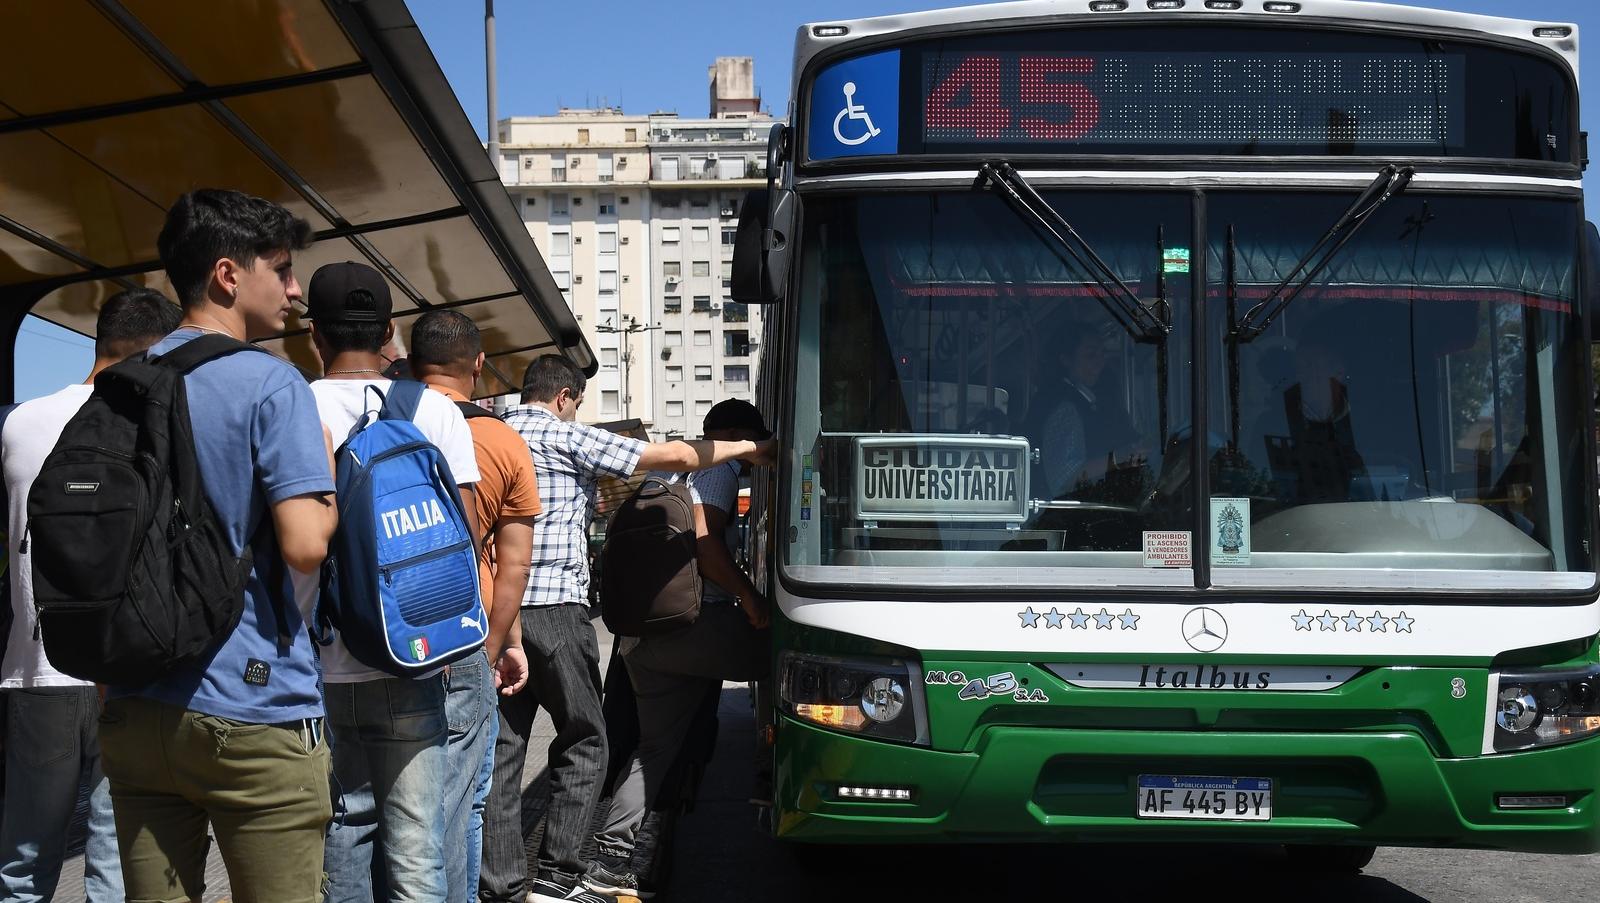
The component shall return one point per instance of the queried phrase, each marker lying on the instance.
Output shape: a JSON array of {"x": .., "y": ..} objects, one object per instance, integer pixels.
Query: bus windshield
[{"x": 970, "y": 408}]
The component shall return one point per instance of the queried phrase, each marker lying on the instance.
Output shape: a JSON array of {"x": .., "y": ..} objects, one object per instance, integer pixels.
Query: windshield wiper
[
  {"x": 1119, "y": 300},
  {"x": 1391, "y": 181}
]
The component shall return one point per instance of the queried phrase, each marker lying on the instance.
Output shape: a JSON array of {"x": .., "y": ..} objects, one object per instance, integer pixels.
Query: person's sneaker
[
  {"x": 612, "y": 880},
  {"x": 552, "y": 888}
]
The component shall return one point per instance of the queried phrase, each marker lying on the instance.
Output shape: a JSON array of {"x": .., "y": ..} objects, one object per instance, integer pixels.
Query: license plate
[{"x": 1227, "y": 799}]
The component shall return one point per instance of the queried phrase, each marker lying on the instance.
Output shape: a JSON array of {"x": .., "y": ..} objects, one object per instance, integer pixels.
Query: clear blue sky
[{"x": 652, "y": 56}]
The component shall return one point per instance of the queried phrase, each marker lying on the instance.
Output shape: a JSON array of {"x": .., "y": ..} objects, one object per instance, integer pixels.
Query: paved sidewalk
[{"x": 535, "y": 790}]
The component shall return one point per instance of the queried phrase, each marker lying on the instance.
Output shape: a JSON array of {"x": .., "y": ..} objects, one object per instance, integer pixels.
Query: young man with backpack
[
  {"x": 388, "y": 732},
  {"x": 49, "y": 727},
  {"x": 227, "y": 741},
  {"x": 563, "y": 654},
  {"x": 672, "y": 670},
  {"x": 447, "y": 355}
]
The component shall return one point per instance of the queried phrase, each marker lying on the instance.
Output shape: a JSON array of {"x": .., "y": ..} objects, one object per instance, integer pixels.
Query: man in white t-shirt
[
  {"x": 51, "y": 741},
  {"x": 388, "y": 733}
]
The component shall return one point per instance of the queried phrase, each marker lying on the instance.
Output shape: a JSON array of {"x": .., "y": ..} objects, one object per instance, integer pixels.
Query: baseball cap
[
  {"x": 348, "y": 293},
  {"x": 735, "y": 414}
]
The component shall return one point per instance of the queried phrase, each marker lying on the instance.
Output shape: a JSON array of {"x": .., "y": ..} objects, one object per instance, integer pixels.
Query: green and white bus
[{"x": 1185, "y": 410}]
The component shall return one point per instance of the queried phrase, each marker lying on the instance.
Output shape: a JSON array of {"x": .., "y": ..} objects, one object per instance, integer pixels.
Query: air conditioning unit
[
  {"x": 624, "y": 239},
  {"x": 711, "y": 156},
  {"x": 577, "y": 280},
  {"x": 715, "y": 308}
]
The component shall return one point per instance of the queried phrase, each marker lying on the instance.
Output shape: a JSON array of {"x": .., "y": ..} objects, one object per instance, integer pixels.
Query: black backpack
[
  {"x": 649, "y": 577},
  {"x": 133, "y": 574}
]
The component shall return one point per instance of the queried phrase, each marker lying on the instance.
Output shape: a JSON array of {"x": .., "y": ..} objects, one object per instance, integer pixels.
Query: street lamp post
[{"x": 630, "y": 327}]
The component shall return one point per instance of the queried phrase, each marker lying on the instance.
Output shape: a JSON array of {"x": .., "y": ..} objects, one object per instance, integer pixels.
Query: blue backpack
[{"x": 401, "y": 580}]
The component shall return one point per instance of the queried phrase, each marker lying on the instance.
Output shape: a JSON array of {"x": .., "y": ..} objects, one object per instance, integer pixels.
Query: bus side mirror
[
  {"x": 761, "y": 246},
  {"x": 1589, "y": 293}
]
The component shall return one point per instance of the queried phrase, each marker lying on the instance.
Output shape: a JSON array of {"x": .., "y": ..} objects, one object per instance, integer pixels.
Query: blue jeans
[
  {"x": 470, "y": 710},
  {"x": 51, "y": 744},
  {"x": 386, "y": 841}
]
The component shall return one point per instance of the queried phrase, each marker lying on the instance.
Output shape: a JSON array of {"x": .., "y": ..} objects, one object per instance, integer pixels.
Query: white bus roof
[{"x": 808, "y": 44}]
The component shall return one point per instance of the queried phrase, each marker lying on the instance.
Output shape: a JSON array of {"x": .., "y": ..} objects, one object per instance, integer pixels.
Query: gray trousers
[
  {"x": 670, "y": 675},
  {"x": 564, "y": 677}
]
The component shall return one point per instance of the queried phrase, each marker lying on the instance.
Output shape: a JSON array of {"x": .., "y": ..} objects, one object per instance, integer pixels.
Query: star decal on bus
[
  {"x": 1053, "y": 618},
  {"x": 1130, "y": 621},
  {"x": 1080, "y": 621},
  {"x": 1030, "y": 618},
  {"x": 1104, "y": 620},
  {"x": 1377, "y": 622}
]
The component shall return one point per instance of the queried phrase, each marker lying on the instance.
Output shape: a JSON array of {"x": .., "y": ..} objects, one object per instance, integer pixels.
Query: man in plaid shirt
[{"x": 563, "y": 655}]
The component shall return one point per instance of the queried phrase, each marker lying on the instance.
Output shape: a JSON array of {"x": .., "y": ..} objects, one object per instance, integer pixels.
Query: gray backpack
[{"x": 649, "y": 577}]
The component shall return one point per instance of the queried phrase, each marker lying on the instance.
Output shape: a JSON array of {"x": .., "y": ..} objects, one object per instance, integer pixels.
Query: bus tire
[{"x": 1336, "y": 859}]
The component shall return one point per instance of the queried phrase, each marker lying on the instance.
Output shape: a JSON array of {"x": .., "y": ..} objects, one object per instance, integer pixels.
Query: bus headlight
[
  {"x": 875, "y": 697},
  {"x": 1541, "y": 708}
]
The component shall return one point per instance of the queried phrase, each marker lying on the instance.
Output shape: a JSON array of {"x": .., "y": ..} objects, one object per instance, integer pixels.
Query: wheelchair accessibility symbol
[{"x": 856, "y": 112}]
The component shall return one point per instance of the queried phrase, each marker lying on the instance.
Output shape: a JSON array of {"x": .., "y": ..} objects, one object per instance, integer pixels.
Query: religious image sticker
[
  {"x": 941, "y": 478},
  {"x": 1230, "y": 531}
]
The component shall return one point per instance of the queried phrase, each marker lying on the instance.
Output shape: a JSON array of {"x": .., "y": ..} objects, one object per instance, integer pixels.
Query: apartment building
[
  {"x": 582, "y": 180},
  {"x": 636, "y": 216}
]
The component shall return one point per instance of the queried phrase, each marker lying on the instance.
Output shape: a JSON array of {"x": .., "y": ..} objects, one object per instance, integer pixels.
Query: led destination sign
[{"x": 1155, "y": 98}]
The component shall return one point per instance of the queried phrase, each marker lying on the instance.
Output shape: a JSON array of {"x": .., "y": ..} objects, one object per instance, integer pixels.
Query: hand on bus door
[{"x": 757, "y": 610}]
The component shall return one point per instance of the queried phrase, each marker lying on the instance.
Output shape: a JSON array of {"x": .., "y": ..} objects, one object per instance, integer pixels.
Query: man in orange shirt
[{"x": 447, "y": 355}]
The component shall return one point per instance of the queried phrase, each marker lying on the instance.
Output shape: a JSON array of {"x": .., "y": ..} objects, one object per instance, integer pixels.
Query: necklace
[
  {"x": 345, "y": 372},
  {"x": 210, "y": 330}
]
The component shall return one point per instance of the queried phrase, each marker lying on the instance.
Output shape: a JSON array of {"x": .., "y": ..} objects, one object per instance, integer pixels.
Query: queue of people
[{"x": 321, "y": 773}]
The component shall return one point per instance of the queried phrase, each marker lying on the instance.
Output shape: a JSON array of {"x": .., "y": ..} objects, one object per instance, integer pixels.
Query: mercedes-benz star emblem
[{"x": 1204, "y": 629}]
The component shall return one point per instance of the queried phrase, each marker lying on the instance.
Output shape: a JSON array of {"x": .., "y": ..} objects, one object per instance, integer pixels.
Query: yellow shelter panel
[
  {"x": 245, "y": 42},
  {"x": 65, "y": 55},
  {"x": 514, "y": 365},
  {"x": 445, "y": 261},
  {"x": 346, "y": 140},
  {"x": 337, "y": 250},
  {"x": 24, "y": 261},
  {"x": 76, "y": 306},
  {"x": 297, "y": 350},
  {"x": 505, "y": 323},
  {"x": 164, "y": 153},
  {"x": 57, "y": 193}
]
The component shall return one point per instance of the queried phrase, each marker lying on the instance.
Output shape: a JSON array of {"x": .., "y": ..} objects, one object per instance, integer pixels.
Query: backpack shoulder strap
[
  {"x": 470, "y": 410},
  {"x": 402, "y": 400},
  {"x": 195, "y": 352}
]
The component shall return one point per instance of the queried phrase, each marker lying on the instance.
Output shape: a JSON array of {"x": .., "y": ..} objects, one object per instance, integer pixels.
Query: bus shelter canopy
[{"x": 112, "y": 109}]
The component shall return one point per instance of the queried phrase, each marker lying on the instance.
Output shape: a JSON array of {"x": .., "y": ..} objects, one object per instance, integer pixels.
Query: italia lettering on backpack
[
  {"x": 649, "y": 573},
  {"x": 401, "y": 580},
  {"x": 133, "y": 574}
]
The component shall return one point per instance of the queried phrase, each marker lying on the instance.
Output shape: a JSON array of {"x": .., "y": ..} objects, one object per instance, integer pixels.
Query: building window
[
  {"x": 608, "y": 358},
  {"x": 727, "y": 274},
  {"x": 729, "y": 235},
  {"x": 672, "y": 338},
  {"x": 608, "y": 242},
  {"x": 734, "y": 312},
  {"x": 630, "y": 134},
  {"x": 608, "y": 205},
  {"x": 558, "y": 169},
  {"x": 672, "y": 269},
  {"x": 583, "y": 136},
  {"x": 671, "y": 304},
  {"x": 702, "y": 373},
  {"x": 702, "y": 407},
  {"x": 697, "y": 166},
  {"x": 699, "y": 234},
  {"x": 669, "y": 173},
  {"x": 558, "y": 204},
  {"x": 527, "y": 161},
  {"x": 608, "y": 282},
  {"x": 699, "y": 200},
  {"x": 674, "y": 409},
  {"x": 702, "y": 338},
  {"x": 605, "y": 171},
  {"x": 702, "y": 303},
  {"x": 736, "y": 343},
  {"x": 563, "y": 279},
  {"x": 671, "y": 199},
  {"x": 674, "y": 373},
  {"x": 608, "y": 401},
  {"x": 701, "y": 268},
  {"x": 669, "y": 235},
  {"x": 560, "y": 244},
  {"x": 736, "y": 373}
]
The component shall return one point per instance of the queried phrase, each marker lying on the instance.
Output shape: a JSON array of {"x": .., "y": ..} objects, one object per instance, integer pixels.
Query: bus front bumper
[{"x": 1051, "y": 784}]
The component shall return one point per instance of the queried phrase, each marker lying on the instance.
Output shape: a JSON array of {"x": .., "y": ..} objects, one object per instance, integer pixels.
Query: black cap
[
  {"x": 348, "y": 293},
  {"x": 735, "y": 414}
]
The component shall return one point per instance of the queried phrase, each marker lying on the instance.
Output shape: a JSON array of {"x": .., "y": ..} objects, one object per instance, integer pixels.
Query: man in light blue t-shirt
[{"x": 235, "y": 740}]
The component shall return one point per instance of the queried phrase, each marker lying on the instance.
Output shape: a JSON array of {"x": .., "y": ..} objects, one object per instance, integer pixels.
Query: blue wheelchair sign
[{"x": 855, "y": 108}]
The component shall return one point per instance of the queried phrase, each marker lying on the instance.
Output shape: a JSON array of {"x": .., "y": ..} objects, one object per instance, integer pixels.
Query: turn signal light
[
  {"x": 847, "y": 717},
  {"x": 876, "y": 794},
  {"x": 1542, "y": 801}
]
